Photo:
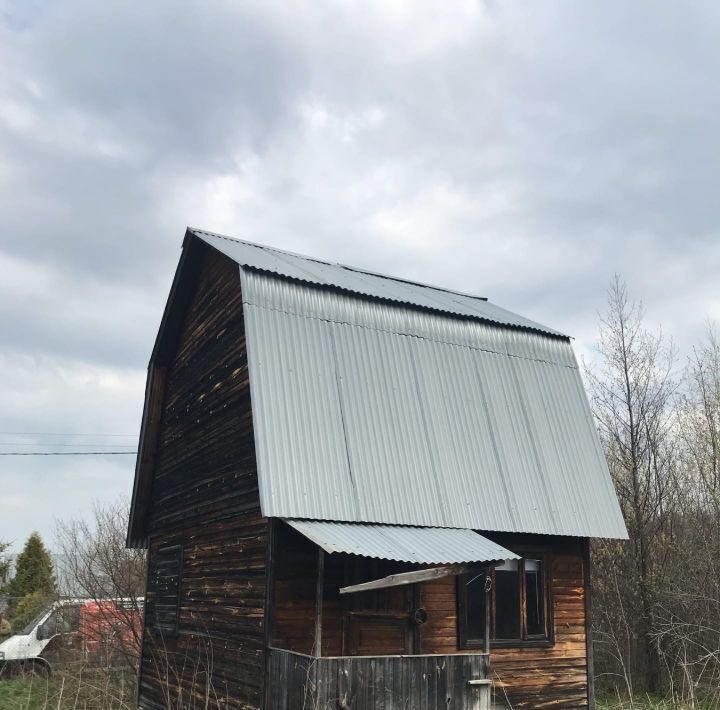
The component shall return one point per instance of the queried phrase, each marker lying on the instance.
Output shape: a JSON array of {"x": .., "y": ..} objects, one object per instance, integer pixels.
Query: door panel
[
  {"x": 377, "y": 622},
  {"x": 377, "y": 636}
]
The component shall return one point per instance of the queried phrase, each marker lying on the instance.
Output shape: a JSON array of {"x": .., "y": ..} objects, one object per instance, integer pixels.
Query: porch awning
[{"x": 403, "y": 543}]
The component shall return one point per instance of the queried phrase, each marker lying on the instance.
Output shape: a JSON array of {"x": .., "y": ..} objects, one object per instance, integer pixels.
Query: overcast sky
[{"x": 524, "y": 151}]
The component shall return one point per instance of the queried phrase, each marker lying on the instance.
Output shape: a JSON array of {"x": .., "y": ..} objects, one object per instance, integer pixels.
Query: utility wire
[
  {"x": 66, "y": 453},
  {"x": 69, "y": 446},
  {"x": 68, "y": 434}
]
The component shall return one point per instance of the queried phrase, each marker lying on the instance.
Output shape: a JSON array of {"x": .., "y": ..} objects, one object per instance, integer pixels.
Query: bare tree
[
  {"x": 632, "y": 398},
  {"x": 699, "y": 422},
  {"x": 98, "y": 566},
  {"x": 688, "y": 623}
]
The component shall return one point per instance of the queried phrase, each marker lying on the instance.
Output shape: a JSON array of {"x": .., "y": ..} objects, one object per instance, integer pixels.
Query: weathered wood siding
[
  {"x": 554, "y": 677},
  {"x": 205, "y": 498},
  {"x": 544, "y": 676},
  {"x": 296, "y": 563},
  {"x": 296, "y": 560},
  {"x": 381, "y": 683}
]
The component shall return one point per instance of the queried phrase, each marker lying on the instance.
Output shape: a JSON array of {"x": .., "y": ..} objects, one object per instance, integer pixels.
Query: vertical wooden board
[
  {"x": 416, "y": 683},
  {"x": 343, "y": 682},
  {"x": 460, "y": 679},
  {"x": 281, "y": 681},
  {"x": 402, "y": 691},
  {"x": 410, "y": 688},
  {"x": 400, "y": 676},
  {"x": 378, "y": 685},
  {"x": 443, "y": 685},
  {"x": 392, "y": 683},
  {"x": 369, "y": 695},
  {"x": 432, "y": 670},
  {"x": 336, "y": 691},
  {"x": 423, "y": 683},
  {"x": 316, "y": 684},
  {"x": 407, "y": 690},
  {"x": 354, "y": 666},
  {"x": 386, "y": 672},
  {"x": 365, "y": 680}
]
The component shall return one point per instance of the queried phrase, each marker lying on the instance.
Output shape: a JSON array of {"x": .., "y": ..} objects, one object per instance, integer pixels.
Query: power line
[
  {"x": 78, "y": 445},
  {"x": 66, "y": 453},
  {"x": 57, "y": 433}
]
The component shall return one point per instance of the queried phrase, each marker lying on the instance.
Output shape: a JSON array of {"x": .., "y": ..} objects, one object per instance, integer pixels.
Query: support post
[
  {"x": 319, "y": 601},
  {"x": 488, "y": 587}
]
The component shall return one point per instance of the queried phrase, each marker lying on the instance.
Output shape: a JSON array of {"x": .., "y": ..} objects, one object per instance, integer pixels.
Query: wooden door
[{"x": 377, "y": 623}]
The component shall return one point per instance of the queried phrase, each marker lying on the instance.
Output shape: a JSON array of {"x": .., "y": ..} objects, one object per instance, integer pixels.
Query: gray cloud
[{"x": 525, "y": 152}]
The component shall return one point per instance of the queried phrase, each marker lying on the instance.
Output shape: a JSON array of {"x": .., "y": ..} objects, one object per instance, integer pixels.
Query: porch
[{"x": 432, "y": 682}]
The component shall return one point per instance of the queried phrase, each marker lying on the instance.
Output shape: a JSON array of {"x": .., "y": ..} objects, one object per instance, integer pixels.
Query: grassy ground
[
  {"x": 92, "y": 690},
  {"x": 85, "y": 691},
  {"x": 653, "y": 703}
]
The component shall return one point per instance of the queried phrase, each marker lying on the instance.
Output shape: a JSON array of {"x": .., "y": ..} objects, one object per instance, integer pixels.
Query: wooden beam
[
  {"x": 319, "y": 601},
  {"x": 421, "y": 575}
]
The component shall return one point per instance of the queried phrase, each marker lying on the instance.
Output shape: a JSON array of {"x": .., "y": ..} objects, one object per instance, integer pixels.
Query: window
[
  {"x": 534, "y": 598},
  {"x": 519, "y": 604},
  {"x": 471, "y": 610},
  {"x": 63, "y": 620},
  {"x": 164, "y": 584}
]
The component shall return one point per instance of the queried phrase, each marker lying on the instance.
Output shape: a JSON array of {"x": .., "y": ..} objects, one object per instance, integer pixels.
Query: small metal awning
[{"x": 403, "y": 543}]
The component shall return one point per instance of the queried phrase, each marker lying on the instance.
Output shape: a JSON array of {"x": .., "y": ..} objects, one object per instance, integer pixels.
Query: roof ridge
[{"x": 337, "y": 264}]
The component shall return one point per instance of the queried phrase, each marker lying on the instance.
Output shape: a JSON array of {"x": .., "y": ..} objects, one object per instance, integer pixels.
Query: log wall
[
  {"x": 205, "y": 498},
  {"x": 544, "y": 676},
  {"x": 556, "y": 676},
  {"x": 541, "y": 676}
]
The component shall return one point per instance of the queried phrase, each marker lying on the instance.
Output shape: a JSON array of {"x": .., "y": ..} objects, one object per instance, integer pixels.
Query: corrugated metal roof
[
  {"x": 403, "y": 543},
  {"x": 346, "y": 278},
  {"x": 371, "y": 412}
]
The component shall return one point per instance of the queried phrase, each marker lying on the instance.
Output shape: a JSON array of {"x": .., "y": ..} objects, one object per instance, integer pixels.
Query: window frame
[
  {"x": 164, "y": 628},
  {"x": 545, "y": 640}
]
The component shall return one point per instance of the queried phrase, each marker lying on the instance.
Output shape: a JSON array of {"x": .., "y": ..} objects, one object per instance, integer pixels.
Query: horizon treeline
[{"x": 656, "y": 597}]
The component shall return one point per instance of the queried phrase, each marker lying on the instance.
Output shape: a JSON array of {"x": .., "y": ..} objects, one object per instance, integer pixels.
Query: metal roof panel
[
  {"x": 418, "y": 545},
  {"x": 373, "y": 412},
  {"x": 320, "y": 273}
]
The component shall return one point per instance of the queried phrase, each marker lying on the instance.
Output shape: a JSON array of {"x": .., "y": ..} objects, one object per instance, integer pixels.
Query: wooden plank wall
[
  {"x": 295, "y": 591},
  {"x": 531, "y": 677},
  {"x": 540, "y": 677},
  {"x": 552, "y": 677},
  {"x": 205, "y": 498},
  {"x": 382, "y": 683},
  {"x": 296, "y": 560}
]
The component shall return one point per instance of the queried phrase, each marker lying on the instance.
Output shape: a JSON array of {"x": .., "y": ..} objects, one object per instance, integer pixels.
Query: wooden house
[{"x": 361, "y": 492}]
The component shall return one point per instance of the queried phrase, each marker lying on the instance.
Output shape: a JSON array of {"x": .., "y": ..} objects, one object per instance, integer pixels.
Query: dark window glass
[
  {"x": 70, "y": 618},
  {"x": 474, "y": 594},
  {"x": 507, "y": 601},
  {"x": 519, "y": 606},
  {"x": 534, "y": 597},
  {"x": 49, "y": 627}
]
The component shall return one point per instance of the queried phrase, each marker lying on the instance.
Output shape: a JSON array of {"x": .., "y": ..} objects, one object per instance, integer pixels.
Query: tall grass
[
  {"x": 647, "y": 702},
  {"x": 88, "y": 689}
]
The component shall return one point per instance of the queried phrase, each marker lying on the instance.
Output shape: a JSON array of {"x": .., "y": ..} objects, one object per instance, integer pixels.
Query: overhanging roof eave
[{"x": 403, "y": 543}]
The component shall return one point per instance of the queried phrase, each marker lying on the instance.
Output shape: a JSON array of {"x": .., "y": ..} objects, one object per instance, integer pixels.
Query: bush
[{"x": 30, "y": 606}]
